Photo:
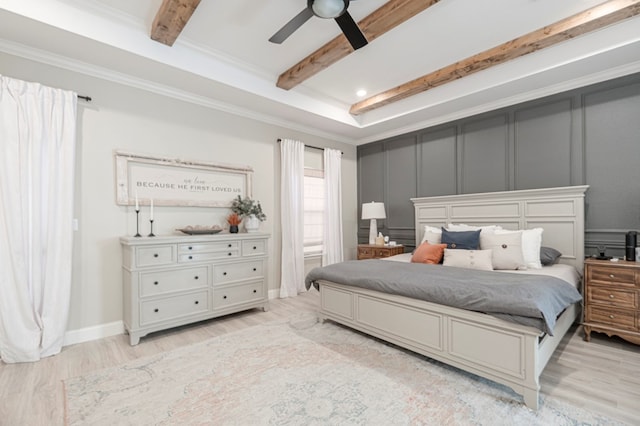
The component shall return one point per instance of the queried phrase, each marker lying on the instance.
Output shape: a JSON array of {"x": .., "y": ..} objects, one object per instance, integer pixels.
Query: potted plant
[
  {"x": 250, "y": 210},
  {"x": 233, "y": 220}
]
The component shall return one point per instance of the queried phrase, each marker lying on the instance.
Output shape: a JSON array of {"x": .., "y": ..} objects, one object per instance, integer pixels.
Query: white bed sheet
[{"x": 565, "y": 272}]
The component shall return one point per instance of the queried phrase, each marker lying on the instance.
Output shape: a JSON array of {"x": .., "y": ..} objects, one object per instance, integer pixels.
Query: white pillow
[
  {"x": 465, "y": 227},
  {"x": 506, "y": 250},
  {"x": 531, "y": 242},
  {"x": 472, "y": 259},
  {"x": 432, "y": 235}
]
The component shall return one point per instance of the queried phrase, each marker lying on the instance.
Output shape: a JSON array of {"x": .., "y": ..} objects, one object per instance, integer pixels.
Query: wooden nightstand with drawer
[
  {"x": 370, "y": 251},
  {"x": 611, "y": 299}
]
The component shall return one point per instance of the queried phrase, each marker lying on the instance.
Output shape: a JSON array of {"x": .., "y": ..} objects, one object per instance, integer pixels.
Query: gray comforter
[{"x": 534, "y": 300}]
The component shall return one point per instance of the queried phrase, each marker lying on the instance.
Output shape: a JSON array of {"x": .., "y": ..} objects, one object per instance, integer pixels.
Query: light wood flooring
[{"x": 603, "y": 375}]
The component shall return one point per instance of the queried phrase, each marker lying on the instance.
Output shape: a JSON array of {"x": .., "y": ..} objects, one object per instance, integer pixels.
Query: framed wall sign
[{"x": 174, "y": 182}]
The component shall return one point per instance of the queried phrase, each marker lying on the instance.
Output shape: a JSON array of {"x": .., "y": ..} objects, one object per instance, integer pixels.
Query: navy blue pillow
[{"x": 463, "y": 240}]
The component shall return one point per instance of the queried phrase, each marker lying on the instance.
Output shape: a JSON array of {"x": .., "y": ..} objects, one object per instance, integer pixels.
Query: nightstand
[
  {"x": 370, "y": 251},
  {"x": 611, "y": 299}
]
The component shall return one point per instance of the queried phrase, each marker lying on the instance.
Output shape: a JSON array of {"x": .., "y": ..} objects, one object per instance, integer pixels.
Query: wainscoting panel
[
  {"x": 543, "y": 145},
  {"x": 401, "y": 183},
  {"x": 612, "y": 157},
  {"x": 485, "y": 151},
  {"x": 437, "y": 171},
  {"x": 371, "y": 182}
]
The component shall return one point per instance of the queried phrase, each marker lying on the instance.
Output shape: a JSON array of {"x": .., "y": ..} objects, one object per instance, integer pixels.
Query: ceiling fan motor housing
[{"x": 328, "y": 9}]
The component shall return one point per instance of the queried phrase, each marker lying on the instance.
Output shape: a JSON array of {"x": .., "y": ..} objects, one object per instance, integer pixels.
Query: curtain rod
[
  {"x": 83, "y": 97},
  {"x": 311, "y": 146}
]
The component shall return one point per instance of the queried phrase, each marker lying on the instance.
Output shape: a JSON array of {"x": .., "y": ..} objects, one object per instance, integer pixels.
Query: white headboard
[{"x": 559, "y": 211}]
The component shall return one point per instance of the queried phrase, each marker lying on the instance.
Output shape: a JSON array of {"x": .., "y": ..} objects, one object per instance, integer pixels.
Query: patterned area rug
[{"x": 300, "y": 373}]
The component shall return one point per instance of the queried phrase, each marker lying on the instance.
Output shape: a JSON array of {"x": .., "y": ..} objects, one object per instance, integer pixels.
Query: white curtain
[
  {"x": 332, "y": 230},
  {"x": 292, "y": 217},
  {"x": 37, "y": 151}
]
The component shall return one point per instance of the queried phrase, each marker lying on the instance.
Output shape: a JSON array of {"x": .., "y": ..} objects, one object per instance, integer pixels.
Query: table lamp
[{"x": 373, "y": 211}]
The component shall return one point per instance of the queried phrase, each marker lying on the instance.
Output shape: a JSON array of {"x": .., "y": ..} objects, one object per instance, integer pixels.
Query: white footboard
[{"x": 506, "y": 353}]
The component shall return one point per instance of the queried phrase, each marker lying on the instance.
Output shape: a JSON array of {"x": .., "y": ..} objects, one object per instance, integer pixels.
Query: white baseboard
[
  {"x": 112, "y": 329},
  {"x": 93, "y": 333},
  {"x": 274, "y": 293}
]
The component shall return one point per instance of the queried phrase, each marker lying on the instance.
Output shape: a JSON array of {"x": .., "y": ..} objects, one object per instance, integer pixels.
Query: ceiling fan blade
[
  {"x": 351, "y": 31},
  {"x": 291, "y": 26}
]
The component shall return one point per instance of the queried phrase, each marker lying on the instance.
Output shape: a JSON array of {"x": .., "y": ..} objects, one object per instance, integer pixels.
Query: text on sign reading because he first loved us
[{"x": 187, "y": 187}]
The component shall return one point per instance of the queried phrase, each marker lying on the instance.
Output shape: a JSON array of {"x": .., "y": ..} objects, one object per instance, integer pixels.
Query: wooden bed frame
[{"x": 507, "y": 353}]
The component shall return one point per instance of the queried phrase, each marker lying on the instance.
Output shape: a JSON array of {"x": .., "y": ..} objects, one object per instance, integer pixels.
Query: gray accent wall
[{"x": 587, "y": 136}]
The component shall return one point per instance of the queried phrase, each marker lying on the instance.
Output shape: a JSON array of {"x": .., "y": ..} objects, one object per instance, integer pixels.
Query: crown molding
[{"x": 103, "y": 73}]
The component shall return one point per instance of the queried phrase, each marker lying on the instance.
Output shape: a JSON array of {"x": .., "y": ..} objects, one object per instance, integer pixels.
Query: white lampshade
[
  {"x": 373, "y": 210},
  {"x": 328, "y": 8}
]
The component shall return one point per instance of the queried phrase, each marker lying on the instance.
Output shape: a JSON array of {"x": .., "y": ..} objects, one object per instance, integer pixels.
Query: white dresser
[{"x": 175, "y": 280}]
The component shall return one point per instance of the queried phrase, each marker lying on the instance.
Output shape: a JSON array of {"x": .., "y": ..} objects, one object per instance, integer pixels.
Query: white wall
[{"x": 130, "y": 119}]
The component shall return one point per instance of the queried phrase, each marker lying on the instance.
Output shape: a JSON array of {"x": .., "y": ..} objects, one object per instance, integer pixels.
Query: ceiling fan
[{"x": 326, "y": 9}]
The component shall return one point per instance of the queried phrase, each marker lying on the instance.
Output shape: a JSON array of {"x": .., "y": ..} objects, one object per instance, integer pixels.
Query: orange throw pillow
[{"x": 428, "y": 253}]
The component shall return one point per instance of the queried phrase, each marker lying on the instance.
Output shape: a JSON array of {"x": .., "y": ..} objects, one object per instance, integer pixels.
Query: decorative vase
[
  {"x": 251, "y": 223},
  {"x": 233, "y": 229}
]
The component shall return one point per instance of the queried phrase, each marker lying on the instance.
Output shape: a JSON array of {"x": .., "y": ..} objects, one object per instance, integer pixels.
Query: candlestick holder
[
  {"x": 151, "y": 234},
  {"x": 137, "y": 223}
]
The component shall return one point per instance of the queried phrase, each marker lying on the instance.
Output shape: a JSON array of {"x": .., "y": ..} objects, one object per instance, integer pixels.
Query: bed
[{"x": 502, "y": 351}]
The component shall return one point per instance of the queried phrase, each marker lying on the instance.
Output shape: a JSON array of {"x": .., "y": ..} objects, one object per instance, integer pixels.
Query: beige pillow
[
  {"x": 531, "y": 242},
  {"x": 432, "y": 235},
  {"x": 472, "y": 259},
  {"x": 506, "y": 250}
]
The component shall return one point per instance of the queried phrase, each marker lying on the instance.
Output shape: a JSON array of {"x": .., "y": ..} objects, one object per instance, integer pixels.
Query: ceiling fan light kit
[{"x": 328, "y": 9}]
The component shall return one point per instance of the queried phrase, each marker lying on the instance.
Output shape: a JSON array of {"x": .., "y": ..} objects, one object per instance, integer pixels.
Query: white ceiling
[{"x": 223, "y": 58}]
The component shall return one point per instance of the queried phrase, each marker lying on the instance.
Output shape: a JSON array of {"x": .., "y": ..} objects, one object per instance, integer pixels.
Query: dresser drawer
[
  {"x": 207, "y": 256},
  {"x": 237, "y": 271},
  {"x": 237, "y": 294},
  {"x": 155, "y": 256},
  {"x": 365, "y": 253},
  {"x": 612, "y": 275},
  {"x": 254, "y": 247},
  {"x": 153, "y": 283},
  {"x": 220, "y": 246},
  {"x": 368, "y": 251},
  {"x": 612, "y": 297},
  {"x": 153, "y": 311},
  {"x": 614, "y": 318}
]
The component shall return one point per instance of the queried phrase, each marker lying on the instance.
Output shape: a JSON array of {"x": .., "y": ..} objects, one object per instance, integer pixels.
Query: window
[{"x": 313, "y": 210}]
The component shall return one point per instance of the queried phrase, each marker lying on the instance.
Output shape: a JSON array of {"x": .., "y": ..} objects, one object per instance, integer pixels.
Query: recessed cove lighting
[{"x": 361, "y": 93}]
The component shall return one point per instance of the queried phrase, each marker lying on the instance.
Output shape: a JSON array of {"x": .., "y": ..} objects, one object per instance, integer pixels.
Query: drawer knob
[
  {"x": 155, "y": 254},
  {"x": 255, "y": 248},
  {"x": 156, "y": 310},
  {"x": 255, "y": 269},
  {"x": 224, "y": 297},
  {"x": 229, "y": 246},
  {"x": 224, "y": 273},
  {"x": 190, "y": 257},
  {"x": 196, "y": 277},
  {"x": 197, "y": 302},
  {"x": 611, "y": 276},
  {"x": 612, "y": 316},
  {"x": 190, "y": 248},
  {"x": 255, "y": 291},
  {"x": 155, "y": 283},
  {"x": 611, "y": 296},
  {"x": 229, "y": 254}
]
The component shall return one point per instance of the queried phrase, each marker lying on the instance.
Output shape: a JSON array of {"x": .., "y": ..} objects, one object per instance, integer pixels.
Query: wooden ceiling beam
[
  {"x": 170, "y": 20},
  {"x": 581, "y": 23},
  {"x": 385, "y": 18}
]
